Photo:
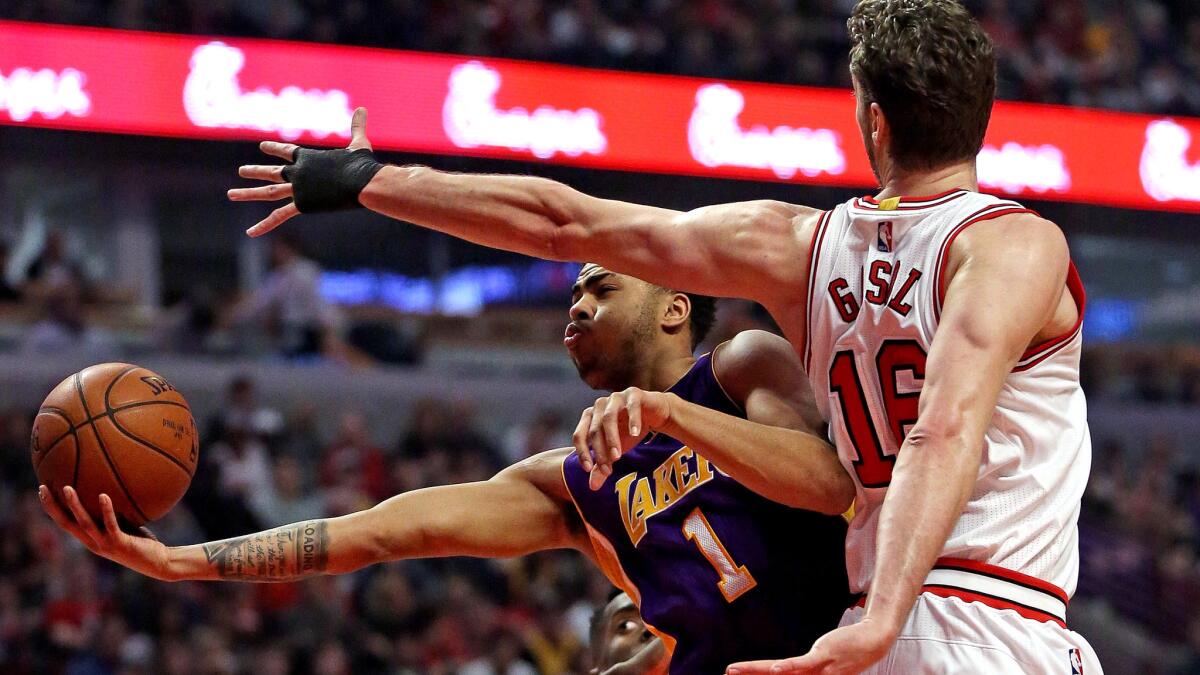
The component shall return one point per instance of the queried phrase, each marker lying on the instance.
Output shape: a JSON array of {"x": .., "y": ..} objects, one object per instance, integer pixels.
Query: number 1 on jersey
[{"x": 735, "y": 579}]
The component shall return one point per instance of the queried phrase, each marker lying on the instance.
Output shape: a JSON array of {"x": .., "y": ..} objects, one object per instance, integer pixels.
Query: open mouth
[{"x": 571, "y": 335}]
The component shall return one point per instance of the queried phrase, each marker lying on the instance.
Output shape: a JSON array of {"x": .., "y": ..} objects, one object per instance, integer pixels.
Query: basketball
[{"x": 120, "y": 430}]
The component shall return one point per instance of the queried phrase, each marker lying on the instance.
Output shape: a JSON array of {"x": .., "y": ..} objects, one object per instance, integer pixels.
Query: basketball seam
[
  {"x": 149, "y": 445},
  {"x": 103, "y": 450},
  {"x": 111, "y": 412},
  {"x": 69, "y": 432}
]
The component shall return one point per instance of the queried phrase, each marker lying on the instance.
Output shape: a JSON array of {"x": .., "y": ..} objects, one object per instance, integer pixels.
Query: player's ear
[
  {"x": 677, "y": 311},
  {"x": 881, "y": 132}
]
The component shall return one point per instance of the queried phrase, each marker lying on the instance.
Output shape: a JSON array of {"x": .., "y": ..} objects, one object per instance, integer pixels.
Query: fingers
[
  {"x": 273, "y": 173},
  {"x": 82, "y": 519},
  {"x": 109, "y": 516},
  {"x": 633, "y": 407},
  {"x": 598, "y": 475},
  {"x": 792, "y": 666},
  {"x": 263, "y": 193},
  {"x": 750, "y": 668},
  {"x": 358, "y": 130},
  {"x": 60, "y": 517},
  {"x": 579, "y": 439},
  {"x": 610, "y": 434},
  {"x": 285, "y": 151},
  {"x": 277, "y": 218},
  {"x": 602, "y": 468}
]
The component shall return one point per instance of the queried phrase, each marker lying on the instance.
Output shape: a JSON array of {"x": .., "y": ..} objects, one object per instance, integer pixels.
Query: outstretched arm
[
  {"x": 522, "y": 509},
  {"x": 775, "y": 451},
  {"x": 748, "y": 249}
]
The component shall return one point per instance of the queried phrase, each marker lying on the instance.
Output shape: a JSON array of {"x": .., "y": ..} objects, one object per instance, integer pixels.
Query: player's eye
[
  {"x": 628, "y": 626},
  {"x": 605, "y": 290}
]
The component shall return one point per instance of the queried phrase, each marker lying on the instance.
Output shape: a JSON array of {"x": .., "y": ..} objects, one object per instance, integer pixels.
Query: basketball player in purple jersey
[{"x": 719, "y": 572}]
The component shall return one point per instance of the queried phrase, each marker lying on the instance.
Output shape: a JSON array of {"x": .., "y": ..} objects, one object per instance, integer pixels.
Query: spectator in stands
[
  {"x": 547, "y": 429},
  {"x": 187, "y": 326},
  {"x": 352, "y": 468},
  {"x": 53, "y": 268},
  {"x": 8, "y": 292},
  {"x": 243, "y": 462},
  {"x": 1137, "y": 55},
  {"x": 286, "y": 500},
  {"x": 65, "y": 329},
  {"x": 242, "y": 409},
  {"x": 289, "y": 303}
]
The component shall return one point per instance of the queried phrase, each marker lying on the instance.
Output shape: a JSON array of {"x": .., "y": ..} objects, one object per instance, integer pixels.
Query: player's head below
[
  {"x": 617, "y": 633},
  {"x": 924, "y": 78},
  {"x": 622, "y": 326}
]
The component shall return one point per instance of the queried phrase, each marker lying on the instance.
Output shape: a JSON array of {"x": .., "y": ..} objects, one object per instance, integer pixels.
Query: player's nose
[{"x": 581, "y": 310}]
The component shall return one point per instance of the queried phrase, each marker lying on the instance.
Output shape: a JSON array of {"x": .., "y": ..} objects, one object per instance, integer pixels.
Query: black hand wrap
[{"x": 330, "y": 180}]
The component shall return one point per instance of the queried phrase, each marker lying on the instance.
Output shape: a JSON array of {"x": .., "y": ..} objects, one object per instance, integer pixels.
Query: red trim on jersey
[
  {"x": 991, "y": 212},
  {"x": 912, "y": 203},
  {"x": 992, "y": 601},
  {"x": 989, "y": 600},
  {"x": 984, "y": 569},
  {"x": 1001, "y": 573},
  {"x": 818, "y": 238},
  {"x": 1049, "y": 347}
]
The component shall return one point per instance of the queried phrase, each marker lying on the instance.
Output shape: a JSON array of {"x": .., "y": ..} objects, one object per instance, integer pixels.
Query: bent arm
[
  {"x": 1007, "y": 287},
  {"x": 747, "y": 249},
  {"x": 775, "y": 451},
  {"x": 520, "y": 510}
]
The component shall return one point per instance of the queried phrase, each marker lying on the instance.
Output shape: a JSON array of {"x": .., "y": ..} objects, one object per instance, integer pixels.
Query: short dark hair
[
  {"x": 702, "y": 318},
  {"x": 931, "y": 68}
]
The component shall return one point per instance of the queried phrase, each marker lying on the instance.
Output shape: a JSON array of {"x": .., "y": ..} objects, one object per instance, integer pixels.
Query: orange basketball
[{"x": 119, "y": 430}]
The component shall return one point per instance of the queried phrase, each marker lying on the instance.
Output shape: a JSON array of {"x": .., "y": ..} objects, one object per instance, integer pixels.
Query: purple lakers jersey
[{"x": 720, "y": 573}]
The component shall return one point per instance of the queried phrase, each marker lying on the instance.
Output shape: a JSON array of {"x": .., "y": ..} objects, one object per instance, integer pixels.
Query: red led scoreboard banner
[{"x": 232, "y": 89}]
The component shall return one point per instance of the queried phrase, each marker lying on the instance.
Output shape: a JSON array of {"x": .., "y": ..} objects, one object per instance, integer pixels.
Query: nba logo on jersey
[
  {"x": 885, "y": 236},
  {"x": 1076, "y": 661}
]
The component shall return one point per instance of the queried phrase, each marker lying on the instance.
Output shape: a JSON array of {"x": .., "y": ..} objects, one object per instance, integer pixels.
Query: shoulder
[
  {"x": 543, "y": 470},
  {"x": 753, "y": 359},
  {"x": 1011, "y": 232},
  {"x": 1021, "y": 242}
]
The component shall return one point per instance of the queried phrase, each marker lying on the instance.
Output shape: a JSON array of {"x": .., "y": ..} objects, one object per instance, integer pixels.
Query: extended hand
[
  {"x": 143, "y": 554},
  {"x": 846, "y": 651},
  {"x": 613, "y": 425},
  {"x": 318, "y": 180}
]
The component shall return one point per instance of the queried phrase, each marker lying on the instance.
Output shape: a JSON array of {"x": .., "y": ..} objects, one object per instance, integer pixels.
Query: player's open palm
[
  {"x": 845, "y": 651},
  {"x": 615, "y": 424},
  {"x": 143, "y": 554},
  {"x": 317, "y": 180}
]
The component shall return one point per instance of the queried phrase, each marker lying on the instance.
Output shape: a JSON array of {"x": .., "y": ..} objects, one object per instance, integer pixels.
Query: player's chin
[{"x": 589, "y": 371}]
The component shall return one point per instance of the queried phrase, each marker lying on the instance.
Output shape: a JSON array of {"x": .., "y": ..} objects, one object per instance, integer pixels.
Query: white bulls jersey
[{"x": 874, "y": 297}]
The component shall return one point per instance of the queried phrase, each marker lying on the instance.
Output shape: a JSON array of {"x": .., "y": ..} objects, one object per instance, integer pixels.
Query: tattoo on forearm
[{"x": 283, "y": 554}]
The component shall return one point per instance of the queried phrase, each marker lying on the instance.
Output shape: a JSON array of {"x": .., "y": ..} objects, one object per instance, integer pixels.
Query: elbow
[
  {"x": 841, "y": 496},
  {"x": 836, "y": 499}
]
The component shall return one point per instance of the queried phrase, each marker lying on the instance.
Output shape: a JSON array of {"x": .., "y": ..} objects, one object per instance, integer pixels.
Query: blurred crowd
[
  {"x": 1141, "y": 55},
  {"x": 69, "y": 309},
  {"x": 63, "y": 610}
]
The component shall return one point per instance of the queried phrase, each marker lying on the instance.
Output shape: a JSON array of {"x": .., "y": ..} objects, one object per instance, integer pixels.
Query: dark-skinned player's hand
[
  {"x": 144, "y": 553},
  {"x": 615, "y": 424},
  {"x": 317, "y": 180}
]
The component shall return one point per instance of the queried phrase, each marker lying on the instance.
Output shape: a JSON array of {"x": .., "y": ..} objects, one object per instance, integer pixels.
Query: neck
[
  {"x": 662, "y": 372},
  {"x": 923, "y": 183}
]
